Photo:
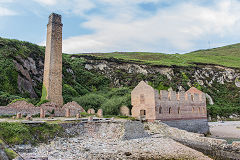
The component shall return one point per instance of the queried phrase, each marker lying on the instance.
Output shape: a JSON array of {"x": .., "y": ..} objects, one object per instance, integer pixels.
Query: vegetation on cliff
[{"x": 92, "y": 89}]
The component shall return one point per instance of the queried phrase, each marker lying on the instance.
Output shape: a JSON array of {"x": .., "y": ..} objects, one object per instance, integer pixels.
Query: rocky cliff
[
  {"x": 222, "y": 84},
  {"x": 21, "y": 74}
]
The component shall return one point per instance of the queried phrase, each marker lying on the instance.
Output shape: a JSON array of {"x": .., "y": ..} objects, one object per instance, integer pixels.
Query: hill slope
[
  {"x": 98, "y": 80},
  {"x": 228, "y": 56}
]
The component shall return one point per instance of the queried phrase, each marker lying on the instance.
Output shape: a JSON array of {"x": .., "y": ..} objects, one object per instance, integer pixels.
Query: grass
[
  {"x": 10, "y": 153},
  {"x": 228, "y": 56},
  {"x": 18, "y": 133},
  {"x": 119, "y": 117}
]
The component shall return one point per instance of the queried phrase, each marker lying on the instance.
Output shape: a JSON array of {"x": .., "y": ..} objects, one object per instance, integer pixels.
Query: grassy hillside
[
  {"x": 228, "y": 56},
  {"x": 94, "y": 90}
]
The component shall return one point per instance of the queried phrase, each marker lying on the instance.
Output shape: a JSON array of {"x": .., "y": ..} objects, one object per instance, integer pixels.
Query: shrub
[
  {"x": 68, "y": 93},
  {"x": 6, "y": 98},
  {"x": 111, "y": 106},
  {"x": 85, "y": 114},
  {"x": 119, "y": 92},
  {"x": 91, "y": 100}
]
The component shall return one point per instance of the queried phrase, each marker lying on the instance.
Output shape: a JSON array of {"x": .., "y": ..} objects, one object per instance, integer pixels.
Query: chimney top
[{"x": 55, "y": 18}]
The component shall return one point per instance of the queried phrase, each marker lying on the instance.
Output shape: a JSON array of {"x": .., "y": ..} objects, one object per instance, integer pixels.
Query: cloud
[
  {"x": 6, "y": 12},
  {"x": 77, "y": 7},
  {"x": 47, "y": 2},
  {"x": 126, "y": 27}
]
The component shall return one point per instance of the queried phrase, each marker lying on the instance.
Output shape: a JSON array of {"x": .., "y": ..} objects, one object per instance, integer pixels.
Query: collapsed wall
[{"x": 26, "y": 108}]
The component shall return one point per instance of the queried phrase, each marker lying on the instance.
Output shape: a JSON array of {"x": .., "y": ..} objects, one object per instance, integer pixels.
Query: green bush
[
  {"x": 85, "y": 114},
  {"x": 112, "y": 106},
  {"x": 91, "y": 100},
  {"x": 6, "y": 98},
  {"x": 122, "y": 91},
  {"x": 68, "y": 93}
]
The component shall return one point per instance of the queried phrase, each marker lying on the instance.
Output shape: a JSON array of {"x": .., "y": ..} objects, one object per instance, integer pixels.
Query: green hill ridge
[{"x": 228, "y": 56}]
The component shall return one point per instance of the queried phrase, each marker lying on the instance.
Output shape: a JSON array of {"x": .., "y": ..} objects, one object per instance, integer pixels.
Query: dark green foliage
[
  {"x": 226, "y": 98},
  {"x": 90, "y": 100},
  {"x": 6, "y": 98},
  {"x": 111, "y": 106},
  {"x": 109, "y": 100},
  {"x": 68, "y": 93},
  {"x": 18, "y": 133}
]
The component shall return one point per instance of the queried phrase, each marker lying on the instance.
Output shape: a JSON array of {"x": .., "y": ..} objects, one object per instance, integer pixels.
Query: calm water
[{"x": 230, "y": 140}]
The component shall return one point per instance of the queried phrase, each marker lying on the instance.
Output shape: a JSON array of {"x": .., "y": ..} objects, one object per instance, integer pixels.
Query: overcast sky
[{"x": 167, "y": 26}]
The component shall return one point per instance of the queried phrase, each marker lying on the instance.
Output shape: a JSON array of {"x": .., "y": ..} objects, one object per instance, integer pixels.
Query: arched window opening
[
  {"x": 192, "y": 97},
  {"x": 142, "y": 99},
  {"x": 199, "y": 109},
  {"x": 178, "y": 110},
  {"x": 170, "y": 110},
  {"x": 160, "y": 110},
  {"x": 193, "y": 109}
]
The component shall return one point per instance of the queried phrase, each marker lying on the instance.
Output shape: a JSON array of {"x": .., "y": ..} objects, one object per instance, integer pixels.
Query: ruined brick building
[{"x": 185, "y": 110}]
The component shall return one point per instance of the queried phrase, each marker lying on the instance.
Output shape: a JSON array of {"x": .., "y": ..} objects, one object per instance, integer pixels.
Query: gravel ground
[
  {"x": 79, "y": 148},
  {"x": 227, "y": 129}
]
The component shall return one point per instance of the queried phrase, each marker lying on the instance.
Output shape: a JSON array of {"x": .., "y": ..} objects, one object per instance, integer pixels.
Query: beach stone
[
  {"x": 29, "y": 118},
  {"x": 90, "y": 119},
  {"x": 236, "y": 144}
]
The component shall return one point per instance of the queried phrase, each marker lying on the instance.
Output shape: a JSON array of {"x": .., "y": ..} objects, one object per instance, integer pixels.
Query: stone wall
[
  {"x": 125, "y": 111},
  {"x": 143, "y": 100},
  {"x": 29, "y": 109},
  {"x": 193, "y": 125},
  {"x": 106, "y": 130}
]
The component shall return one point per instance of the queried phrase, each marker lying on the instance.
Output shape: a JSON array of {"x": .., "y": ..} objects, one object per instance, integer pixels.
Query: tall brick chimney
[{"x": 52, "y": 80}]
